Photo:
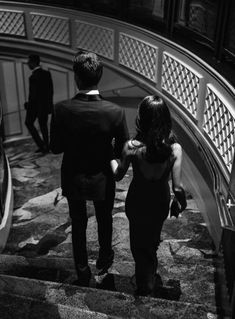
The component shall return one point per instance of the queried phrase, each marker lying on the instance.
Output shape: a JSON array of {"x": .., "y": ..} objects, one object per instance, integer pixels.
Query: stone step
[
  {"x": 188, "y": 285},
  {"x": 41, "y": 229},
  {"x": 29, "y": 298},
  {"x": 18, "y": 307}
]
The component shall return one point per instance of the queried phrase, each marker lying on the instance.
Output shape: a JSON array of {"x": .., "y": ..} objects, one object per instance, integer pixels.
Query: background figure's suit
[{"x": 39, "y": 105}]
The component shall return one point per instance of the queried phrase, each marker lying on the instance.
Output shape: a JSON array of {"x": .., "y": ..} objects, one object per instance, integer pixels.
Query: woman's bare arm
[
  {"x": 177, "y": 185},
  {"x": 176, "y": 170}
]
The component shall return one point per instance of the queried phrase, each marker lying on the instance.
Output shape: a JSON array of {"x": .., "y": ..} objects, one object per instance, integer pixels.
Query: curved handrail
[
  {"x": 7, "y": 208},
  {"x": 6, "y": 195},
  {"x": 196, "y": 92}
]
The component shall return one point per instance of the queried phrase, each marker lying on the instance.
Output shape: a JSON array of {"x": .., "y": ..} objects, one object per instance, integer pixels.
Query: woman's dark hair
[
  {"x": 88, "y": 67},
  {"x": 154, "y": 128}
]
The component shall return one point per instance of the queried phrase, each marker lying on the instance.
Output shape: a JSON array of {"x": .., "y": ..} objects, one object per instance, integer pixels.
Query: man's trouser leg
[
  {"x": 104, "y": 218},
  {"x": 78, "y": 214},
  {"x": 43, "y": 119},
  {"x": 31, "y": 116}
]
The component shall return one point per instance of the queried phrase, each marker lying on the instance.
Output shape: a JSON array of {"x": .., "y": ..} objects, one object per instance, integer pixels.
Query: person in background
[
  {"x": 89, "y": 131},
  {"x": 39, "y": 104},
  {"x": 154, "y": 156}
]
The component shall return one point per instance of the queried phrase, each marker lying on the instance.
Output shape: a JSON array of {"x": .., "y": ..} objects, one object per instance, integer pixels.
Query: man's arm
[
  {"x": 56, "y": 132},
  {"x": 50, "y": 92},
  {"x": 32, "y": 99},
  {"x": 121, "y": 135},
  {"x": 120, "y": 167}
]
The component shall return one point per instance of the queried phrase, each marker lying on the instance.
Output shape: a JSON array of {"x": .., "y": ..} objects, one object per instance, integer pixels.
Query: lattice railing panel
[
  {"x": 132, "y": 53},
  {"x": 95, "y": 38},
  {"x": 219, "y": 124},
  {"x": 12, "y": 23},
  {"x": 181, "y": 82},
  {"x": 50, "y": 28}
]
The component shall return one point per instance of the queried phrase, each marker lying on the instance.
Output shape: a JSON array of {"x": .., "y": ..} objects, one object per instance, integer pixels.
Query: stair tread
[
  {"x": 41, "y": 236},
  {"x": 28, "y": 308},
  {"x": 108, "y": 302},
  {"x": 185, "y": 285}
]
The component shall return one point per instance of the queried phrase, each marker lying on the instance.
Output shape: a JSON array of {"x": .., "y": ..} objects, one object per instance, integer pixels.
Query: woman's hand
[{"x": 114, "y": 166}]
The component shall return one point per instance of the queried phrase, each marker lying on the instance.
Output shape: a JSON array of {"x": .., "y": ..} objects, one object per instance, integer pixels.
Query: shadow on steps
[{"x": 113, "y": 282}]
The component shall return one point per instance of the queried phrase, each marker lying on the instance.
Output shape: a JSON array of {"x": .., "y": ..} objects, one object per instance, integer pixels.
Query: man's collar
[
  {"x": 88, "y": 97},
  {"x": 37, "y": 67},
  {"x": 89, "y": 92}
]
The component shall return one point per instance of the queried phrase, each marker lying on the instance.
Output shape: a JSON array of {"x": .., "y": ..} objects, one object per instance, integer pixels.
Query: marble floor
[{"x": 41, "y": 229}]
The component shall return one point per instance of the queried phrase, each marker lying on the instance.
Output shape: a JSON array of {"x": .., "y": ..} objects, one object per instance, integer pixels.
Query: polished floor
[{"x": 41, "y": 229}]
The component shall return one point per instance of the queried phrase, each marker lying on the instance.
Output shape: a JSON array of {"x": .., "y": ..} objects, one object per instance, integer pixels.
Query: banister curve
[{"x": 199, "y": 97}]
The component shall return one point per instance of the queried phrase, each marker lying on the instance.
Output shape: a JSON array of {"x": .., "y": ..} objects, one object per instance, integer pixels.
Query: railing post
[
  {"x": 201, "y": 102},
  {"x": 28, "y": 25},
  {"x": 159, "y": 68},
  {"x": 231, "y": 192},
  {"x": 232, "y": 179}
]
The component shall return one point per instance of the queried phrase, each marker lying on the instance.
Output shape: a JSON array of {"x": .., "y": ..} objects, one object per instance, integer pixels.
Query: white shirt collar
[{"x": 89, "y": 92}]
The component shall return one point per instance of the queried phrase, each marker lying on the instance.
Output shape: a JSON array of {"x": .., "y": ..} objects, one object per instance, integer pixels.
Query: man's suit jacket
[
  {"x": 40, "y": 92},
  {"x": 90, "y": 131}
]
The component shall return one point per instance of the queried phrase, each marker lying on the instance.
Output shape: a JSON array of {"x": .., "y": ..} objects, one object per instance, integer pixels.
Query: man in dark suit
[
  {"x": 39, "y": 103},
  {"x": 89, "y": 131}
]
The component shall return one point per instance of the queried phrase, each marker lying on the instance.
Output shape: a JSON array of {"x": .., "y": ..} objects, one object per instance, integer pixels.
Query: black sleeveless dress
[{"x": 147, "y": 206}]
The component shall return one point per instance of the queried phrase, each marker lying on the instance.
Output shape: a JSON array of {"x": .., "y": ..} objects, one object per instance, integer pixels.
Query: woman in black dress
[{"x": 154, "y": 156}]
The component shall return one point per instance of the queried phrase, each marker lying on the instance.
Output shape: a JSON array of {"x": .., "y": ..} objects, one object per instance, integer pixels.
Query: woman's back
[
  {"x": 149, "y": 185},
  {"x": 154, "y": 155},
  {"x": 149, "y": 171},
  {"x": 143, "y": 169}
]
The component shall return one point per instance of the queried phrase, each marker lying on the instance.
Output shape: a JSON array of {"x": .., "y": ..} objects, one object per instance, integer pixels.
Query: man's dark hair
[
  {"x": 34, "y": 58},
  {"x": 88, "y": 68}
]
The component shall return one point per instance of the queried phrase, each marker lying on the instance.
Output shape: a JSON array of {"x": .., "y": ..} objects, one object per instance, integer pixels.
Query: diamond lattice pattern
[
  {"x": 181, "y": 83},
  {"x": 219, "y": 124},
  {"x": 50, "y": 28},
  {"x": 95, "y": 38},
  {"x": 12, "y": 23},
  {"x": 138, "y": 56}
]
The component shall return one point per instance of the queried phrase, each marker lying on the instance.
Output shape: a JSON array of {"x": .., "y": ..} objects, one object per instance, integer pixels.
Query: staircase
[{"x": 37, "y": 271}]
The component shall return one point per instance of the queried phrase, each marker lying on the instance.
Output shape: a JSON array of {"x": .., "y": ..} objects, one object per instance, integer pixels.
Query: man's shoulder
[
  {"x": 40, "y": 73},
  {"x": 63, "y": 105},
  {"x": 111, "y": 104},
  {"x": 102, "y": 106},
  {"x": 42, "y": 70},
  {"x": 46, "y": 73},
  {"x": 72, "y": 102},
  {"x": 112, "y": 108}
]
